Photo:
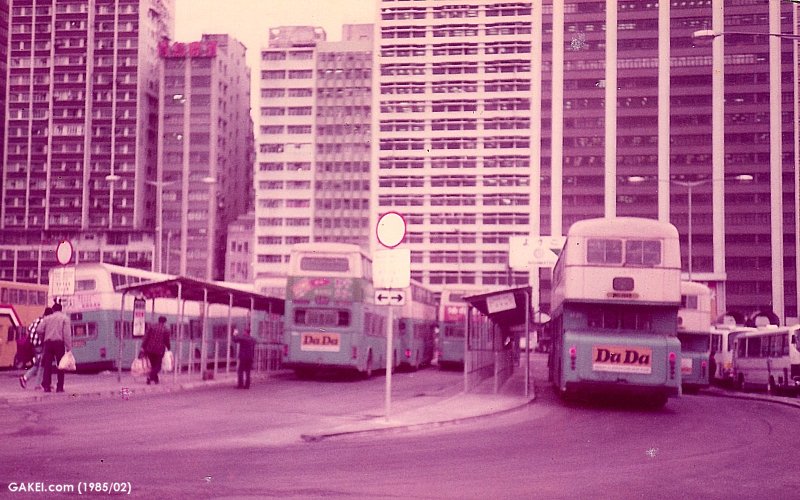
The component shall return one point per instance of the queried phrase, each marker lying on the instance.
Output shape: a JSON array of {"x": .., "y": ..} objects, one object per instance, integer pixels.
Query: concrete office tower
[
  {"x": 453, "y": 125},
  {"x": 3, "y": 65},
  {"x": 457, "y": 129},
  {"x": 312, "y": 172},
  {"x": 206, "y": 154},
  {"x": 80, "y": 116}
]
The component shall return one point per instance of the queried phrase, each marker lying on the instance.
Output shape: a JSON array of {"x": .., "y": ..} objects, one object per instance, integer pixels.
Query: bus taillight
[
  {"x": 408, "y": 353},
  {"x": 573, "y": 355},
  {"x": 354, "y": 353},
  {"x": 703, "y": 367},
  {"x": 672, "y": 358},
  {"x": 103, "y": 352},
  {"x": 285, "y": 350}
]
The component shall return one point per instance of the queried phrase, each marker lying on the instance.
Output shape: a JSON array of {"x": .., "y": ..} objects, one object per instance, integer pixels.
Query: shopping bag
[
  {"x": 167, "y": 362},
  {"x": 140, "y": 366},
  {"x": 67, "y": 362}
]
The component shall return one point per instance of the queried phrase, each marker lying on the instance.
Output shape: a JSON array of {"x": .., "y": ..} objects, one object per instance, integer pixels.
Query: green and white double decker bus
[
  {"x": 615, "y": 299},
  {"x": 694, "y": 332},
  {"x": 331, "y": 320}
]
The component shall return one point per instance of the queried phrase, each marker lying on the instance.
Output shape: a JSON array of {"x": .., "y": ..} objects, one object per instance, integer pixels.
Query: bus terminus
[
  {"x": 20, "y": 305},
  {"x": 616, "y": 294},
  {"x": 694, "y": 325},
  {"x": 768, "y": 358},
  {"x": 331, "y": 320}
]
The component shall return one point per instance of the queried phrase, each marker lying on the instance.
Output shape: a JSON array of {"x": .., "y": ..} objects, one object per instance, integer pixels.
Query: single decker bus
[
  {"x": 615, "y": 299},
  {"x": 694, "y": 333}
]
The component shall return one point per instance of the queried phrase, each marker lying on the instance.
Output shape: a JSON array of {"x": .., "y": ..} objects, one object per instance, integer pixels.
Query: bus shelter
[
  {"x": 183, "y": 289},
  {"x": 495, "y": 321}
]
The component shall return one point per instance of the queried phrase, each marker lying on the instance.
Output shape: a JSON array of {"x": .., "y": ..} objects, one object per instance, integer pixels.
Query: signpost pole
[{"x": 389, "y": 361}]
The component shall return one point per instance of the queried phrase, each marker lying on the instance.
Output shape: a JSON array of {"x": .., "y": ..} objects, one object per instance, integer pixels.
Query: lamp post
[
  {"x": 775, "y": 126},
  {"x": 112, "y": 179},
  {"x": 160, "y": 226}
]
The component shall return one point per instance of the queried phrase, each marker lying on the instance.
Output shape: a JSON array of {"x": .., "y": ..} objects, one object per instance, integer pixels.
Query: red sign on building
[{"x": 183, "y": 50}]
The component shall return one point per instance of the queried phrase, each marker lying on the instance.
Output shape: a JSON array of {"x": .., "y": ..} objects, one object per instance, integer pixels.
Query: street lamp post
[
  {"x": 159, "y": 185},
  {"x": 689, "y": 185}
]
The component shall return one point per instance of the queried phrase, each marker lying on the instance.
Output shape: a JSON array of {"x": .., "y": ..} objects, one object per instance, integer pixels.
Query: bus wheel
[
  {"x": 658, "y": 402},
  {"x": 368, "y": 369},
  {"x": 771, "y": 388},
  {"x": 740, "y": 382}
]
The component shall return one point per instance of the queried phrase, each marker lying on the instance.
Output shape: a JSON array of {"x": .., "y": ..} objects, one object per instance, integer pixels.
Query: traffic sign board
[
  {"x": 391, "y": 268},
  {"x": 62, "y": 282},
  {"x": 64, "y": 252},
  {"x": 391, "y": 229},
  {"x": 389, "y": 297}
]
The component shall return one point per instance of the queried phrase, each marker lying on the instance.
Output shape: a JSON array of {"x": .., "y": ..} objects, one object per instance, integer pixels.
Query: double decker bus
[
  {"x": 20, "y": 305},
  {"x": 97, "y": 315},
  {"x": 615, "y": 299},
  {"x": 416, "y": 327},
  {"x": 694, "y": 325},
  {"x": 331, "y": 320},
  {"x": 768, "y": 358},
  {"x": 452, "y": 325}
]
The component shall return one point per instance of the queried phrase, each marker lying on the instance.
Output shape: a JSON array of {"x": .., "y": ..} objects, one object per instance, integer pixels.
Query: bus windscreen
[{"x": 335, "y": 264}]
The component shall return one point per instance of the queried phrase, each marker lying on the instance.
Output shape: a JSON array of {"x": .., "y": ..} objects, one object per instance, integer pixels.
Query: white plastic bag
[
  {"x": 140, "y": 366},
  {"x": 167, "y": 362},
  {"x": 67, "y": 362}
]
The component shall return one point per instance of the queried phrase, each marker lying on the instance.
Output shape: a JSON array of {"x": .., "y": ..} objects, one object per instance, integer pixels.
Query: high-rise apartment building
[
  {"x": 312, "y": 171},
  {"x": 206, "y": 153},
  {"x": 80, "y": 116},
  {"x": 3, "y": 65},
  {"x": 473, "y": 148}
]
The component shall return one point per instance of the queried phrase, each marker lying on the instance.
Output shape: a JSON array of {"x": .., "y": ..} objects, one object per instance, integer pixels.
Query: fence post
[{"x": 216, "y": 357}]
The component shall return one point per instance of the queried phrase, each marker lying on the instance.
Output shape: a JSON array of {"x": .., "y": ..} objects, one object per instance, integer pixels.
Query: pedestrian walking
[
  {"x": 37, "y": 342},
  {"x": 57, "y": 329},
  {"x": 155, "y": 343},
  {"x": 247, "y": 351}
]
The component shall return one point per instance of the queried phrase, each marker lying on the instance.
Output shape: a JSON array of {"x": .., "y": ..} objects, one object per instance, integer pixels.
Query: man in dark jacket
[
  {"x": 57, "y": 334},
  {"x": 155, "y": 343},
  {"x": 247, "y": 350}
]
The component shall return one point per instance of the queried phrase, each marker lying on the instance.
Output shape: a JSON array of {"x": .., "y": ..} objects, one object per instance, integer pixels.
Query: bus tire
[
  {"x": 368, "y": 369},
  {"x": 740, "y": 383},
  {"x": 772, "y": 389},
  {"x": 658, "y": 402}
]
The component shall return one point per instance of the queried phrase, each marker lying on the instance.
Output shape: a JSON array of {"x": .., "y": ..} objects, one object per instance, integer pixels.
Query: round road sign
[
  {"x": 391, "y": 229},
  {"x": 64, "y": 252}
]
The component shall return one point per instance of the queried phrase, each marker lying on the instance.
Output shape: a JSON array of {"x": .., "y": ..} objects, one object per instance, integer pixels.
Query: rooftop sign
[{"x": 180, "y": 50}]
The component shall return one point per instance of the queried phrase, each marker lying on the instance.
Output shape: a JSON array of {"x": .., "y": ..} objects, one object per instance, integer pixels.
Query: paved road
[{"x": 223, "y": 442}]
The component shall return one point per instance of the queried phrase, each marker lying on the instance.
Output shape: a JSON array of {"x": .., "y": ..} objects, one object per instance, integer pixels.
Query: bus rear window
[
  {"x": 453, "y": 331},
  {"x": 336, "y": 264},
  {"x": 642, "y": 253},
  {"x": 694, "y": 343},
  {"x": 604, "y": 251},
  {"x": 322, "y": 317}
]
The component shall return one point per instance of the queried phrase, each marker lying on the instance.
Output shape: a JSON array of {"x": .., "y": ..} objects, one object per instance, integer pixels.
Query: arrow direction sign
[{"x": 387, "y": 297}]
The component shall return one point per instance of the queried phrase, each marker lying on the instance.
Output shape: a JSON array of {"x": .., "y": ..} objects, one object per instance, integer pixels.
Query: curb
[
  {"x": 121, "y": 390},
  {"x": 752, "y": 397},
  {"x": 315, "y": 438}
]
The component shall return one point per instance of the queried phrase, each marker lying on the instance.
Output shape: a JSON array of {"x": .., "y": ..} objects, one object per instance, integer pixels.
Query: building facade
[
  {"x": 80, "y": 115},
  {"x": 206, "y": 154},
  {"x": 312, "y": 173},
  {"x": 498, "y": 152}
]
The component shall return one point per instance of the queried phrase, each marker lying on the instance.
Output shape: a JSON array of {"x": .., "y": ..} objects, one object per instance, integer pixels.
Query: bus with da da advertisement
[
  {"x": 331, "y": 320},
  {"x": 615, "y": 299},
  {"x": 694, "y": 325},
  {"x": 95, "y": 307},
  {"x": 767, "y": 358},
  {"x": 20, "y": 305}
]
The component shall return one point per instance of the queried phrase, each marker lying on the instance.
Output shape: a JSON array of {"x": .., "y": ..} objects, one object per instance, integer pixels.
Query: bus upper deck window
[
  {"x": 599, "y": 251},
  {"x": 643, "y": 253}
]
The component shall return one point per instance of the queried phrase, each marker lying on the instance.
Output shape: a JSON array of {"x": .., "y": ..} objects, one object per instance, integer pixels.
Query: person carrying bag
[{"x": 155, "y": 343}]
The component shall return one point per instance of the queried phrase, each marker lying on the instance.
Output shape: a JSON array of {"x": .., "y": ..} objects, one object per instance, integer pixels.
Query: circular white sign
[
  {"x": 64, "y": 252},
  {"x": 391, "y": 229}
]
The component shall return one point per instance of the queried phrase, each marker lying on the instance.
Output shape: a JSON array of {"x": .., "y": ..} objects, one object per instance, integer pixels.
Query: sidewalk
[
  {"x": 755, "y": 396},
  {"x": 106, "y": 384}
]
